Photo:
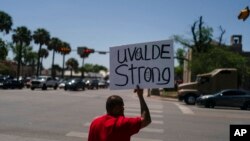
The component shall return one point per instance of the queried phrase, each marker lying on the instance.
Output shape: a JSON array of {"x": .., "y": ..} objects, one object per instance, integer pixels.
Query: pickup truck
[
  {"x": 208, "y": 83},
  {"x": 44, "y": 82}
]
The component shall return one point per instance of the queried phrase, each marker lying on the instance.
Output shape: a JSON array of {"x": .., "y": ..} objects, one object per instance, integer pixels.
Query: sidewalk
[{"x": 166, "y": 96}]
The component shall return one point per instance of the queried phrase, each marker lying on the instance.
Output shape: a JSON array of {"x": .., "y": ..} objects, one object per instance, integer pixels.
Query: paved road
[{"x": 55, "y": 115}]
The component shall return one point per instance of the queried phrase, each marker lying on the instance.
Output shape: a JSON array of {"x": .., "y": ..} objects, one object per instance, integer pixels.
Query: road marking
[
  {"x": 152, "y": 130},
  {"x": 4, "y": 137},
  {"x": 184, "y": 109},
  {"x": 158, "y": 122},
  {"x": 143, "y": 139},
  {"x": 150, "y": 106},
  {"x": 87, "y": 124},
  {"x": 77, "y": 134},
  {"x": 85, "y": 135},
  {"x": 139, "y": 110},
  {"x": 137, "y": 114}
]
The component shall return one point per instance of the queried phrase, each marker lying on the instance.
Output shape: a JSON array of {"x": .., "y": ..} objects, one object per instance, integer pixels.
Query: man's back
[{"x": 109, "y": 128}]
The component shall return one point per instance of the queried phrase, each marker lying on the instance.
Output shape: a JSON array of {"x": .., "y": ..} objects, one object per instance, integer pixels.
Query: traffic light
[
  {"x": 65, "y": 50},
  {"x": 244, "y": 14},
  {"x": 88, "y": 51},
  {"x": 84, "y": 51}
]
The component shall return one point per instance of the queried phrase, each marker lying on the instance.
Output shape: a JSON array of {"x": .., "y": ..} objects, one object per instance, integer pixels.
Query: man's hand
[{"x": 138, "y": 91}]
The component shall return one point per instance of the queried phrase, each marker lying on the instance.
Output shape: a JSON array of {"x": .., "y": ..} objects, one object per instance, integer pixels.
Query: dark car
[
  {"x": 102, "y": 84},
  {"x": 228, "y": 98},
  {"x": 75, "y": 84},
  {"x": 93, "y": 84},
  {"x": 1, "y": 82},
  {"x": 12, "y": 84}
]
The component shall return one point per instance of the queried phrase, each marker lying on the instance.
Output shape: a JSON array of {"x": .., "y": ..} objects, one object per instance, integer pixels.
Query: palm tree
[
  {"x": 3, "y": 50},
  {"x": 22, "y": 37},
  {"x": 64, "y": 50},
  {"x": 43, "y": 54},
  {"x": 28, "y": 57},
  {"x": 72, "y": 63},
  {"x": 41, "y": 37},
  {"x": 30, "y": 60},
  {"x": 57, "y": 68},
  {"x": 26, "y": 51},
  {"x": 5, "y": 26},
  {"x": 54, "y": 45},
  {"x": 5, "y": 22}
]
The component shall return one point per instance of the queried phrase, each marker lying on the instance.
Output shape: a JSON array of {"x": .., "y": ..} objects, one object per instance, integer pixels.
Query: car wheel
[
  {"x": 209, "y": 104},
  {"x": 190, "y": 99},
  {"x": 32, "y": 88},
  {"x": 55, "y": 87},
  {"x": 44, "y": 87},
  {"x": 245, "y": 106}
]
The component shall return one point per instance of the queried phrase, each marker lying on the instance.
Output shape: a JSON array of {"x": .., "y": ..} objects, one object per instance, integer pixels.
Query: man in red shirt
[{"x": 114, "y": 126}]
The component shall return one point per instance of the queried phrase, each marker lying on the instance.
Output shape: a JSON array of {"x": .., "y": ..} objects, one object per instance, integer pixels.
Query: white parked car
[{"x": 44, "y": 82}]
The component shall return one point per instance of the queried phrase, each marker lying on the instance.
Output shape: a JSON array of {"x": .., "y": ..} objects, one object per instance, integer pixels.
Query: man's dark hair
[{"x": 113, "y": 101}]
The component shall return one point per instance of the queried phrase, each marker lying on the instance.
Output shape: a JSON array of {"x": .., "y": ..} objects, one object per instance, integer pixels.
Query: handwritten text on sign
[{"x": 149, "y": 65}]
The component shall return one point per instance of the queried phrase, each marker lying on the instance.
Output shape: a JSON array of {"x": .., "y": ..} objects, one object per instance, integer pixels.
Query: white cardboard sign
[{"x": 149, "y": 65}]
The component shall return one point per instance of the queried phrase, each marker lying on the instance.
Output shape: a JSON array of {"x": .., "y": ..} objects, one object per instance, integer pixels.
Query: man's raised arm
[{"x": 145, "y": 114}]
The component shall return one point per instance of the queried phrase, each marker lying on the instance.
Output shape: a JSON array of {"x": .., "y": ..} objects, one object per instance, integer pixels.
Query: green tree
[
  {"x": 26, "y": 51},
  {"x": 41, "y": 37},
  {"x": 56, "y": 68},
  {"x": 72, "y": 63},
  {"x": 180, "y": 58},
  {"x": 22, "y": 37},
  {"x": 5, "y": 26},
  {"x": 217, "y": 57},
  {"x": 54, "y": 45},
  {"x": 30, "y": 60},
  {"x": 5, "y": 22},
  {"x": 98, "y": 68},
  {"x": 3, "y": 50},
  {"x": 6, "y": 68},
  {"x": 43, "y": 54},
  {"x": 64, "y": 49},
  {"x": 94, "y": 68},
  {"x": 88, "y": 67},
  {"x": 201, "y": 37}
]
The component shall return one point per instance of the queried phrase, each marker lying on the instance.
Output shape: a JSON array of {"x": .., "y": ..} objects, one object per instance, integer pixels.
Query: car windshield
[{"x": 41, "y": 78}]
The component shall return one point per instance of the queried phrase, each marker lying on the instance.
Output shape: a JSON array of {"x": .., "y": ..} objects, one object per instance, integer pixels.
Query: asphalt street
[{"x": 55, "y": 115}]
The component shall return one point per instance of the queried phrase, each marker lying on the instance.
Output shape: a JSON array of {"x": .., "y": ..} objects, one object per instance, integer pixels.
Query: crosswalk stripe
[
  {"x": 143, "y": 139},
  {"x": 85, "y": 135},
  {"x": 139, "y": 110},
  {"x": 157, "y": 122},
  {"x": 152, "y": 130},
  {"x": 137, "y": 114},
  {"x": 87, "y": 124},
  {"x": 150, "y": 106},
  {"x": 77, "y": 134},
  {"x": 184, "y": 109}
]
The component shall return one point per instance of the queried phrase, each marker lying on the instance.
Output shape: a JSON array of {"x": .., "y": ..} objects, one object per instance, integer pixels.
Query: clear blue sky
[{"x": 101, "y": 24}]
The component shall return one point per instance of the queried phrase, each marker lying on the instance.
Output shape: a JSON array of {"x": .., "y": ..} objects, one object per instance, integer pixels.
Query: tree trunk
[
  {"x": 38, "y": 61},
  {"x": 63, "y": 66},
  {"x": 19, "y": 60},
  {"x": 53, "y": 74}
]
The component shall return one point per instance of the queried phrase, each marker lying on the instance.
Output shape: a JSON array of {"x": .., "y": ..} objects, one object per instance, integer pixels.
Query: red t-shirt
[{"x": 109, "y": 128}]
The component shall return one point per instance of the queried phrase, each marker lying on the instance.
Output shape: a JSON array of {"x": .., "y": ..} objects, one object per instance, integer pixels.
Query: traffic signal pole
[{"x": 84, "y": 52}]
